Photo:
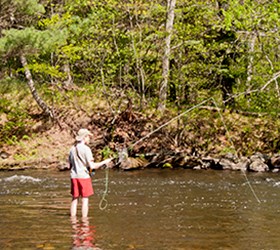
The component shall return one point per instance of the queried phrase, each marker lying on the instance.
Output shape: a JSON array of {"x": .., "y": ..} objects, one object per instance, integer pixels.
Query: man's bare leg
[
  {"x": 84, "y": 207},
  {"x": 74, "y": 205}
]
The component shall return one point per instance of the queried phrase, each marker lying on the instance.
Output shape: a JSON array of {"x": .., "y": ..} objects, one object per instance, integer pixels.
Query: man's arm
[{"x": 97, "y": 165}]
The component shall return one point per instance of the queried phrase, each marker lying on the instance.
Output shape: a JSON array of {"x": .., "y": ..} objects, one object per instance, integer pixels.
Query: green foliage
[
  {"x": 107, "y": 152},
  {"x": 113, "y": 49},
  {"x": 119, "y": 45},
  {"x": 4, "y": 105},
  {"x": 261, "y": 102},
  {"x": 46, "y": 69},
  {"x": 16, "y": 121},
  {"x": 30, "y": 40},
  {"x": 167, "y": 165},
  {"x": 15, "y": 128},
  {"x": 29, "y": 7}
]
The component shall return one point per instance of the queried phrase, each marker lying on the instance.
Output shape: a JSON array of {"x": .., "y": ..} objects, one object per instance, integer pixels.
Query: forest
[{"x": 124, "y": 68}]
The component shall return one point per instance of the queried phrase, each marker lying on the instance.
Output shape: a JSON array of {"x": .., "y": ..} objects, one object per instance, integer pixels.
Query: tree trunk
[
  {"x": 32, "y": 88},
  {"x": 251, "y": 61},
  {"x": 165, "y": 62},
  {"x": 139, "y": 68},
  {"x": 69, "y": 81}
]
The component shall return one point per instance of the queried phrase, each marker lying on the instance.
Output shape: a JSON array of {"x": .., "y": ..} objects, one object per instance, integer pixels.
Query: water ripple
[{"x": 21, "y": 179}]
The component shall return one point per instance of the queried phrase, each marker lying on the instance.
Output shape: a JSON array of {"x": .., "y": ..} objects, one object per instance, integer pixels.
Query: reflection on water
[
  {"x": 149, "y": 209},
  {"x": 83, "y": 234}
]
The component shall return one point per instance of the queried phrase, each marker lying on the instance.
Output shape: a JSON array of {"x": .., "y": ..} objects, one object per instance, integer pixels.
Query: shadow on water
[{"x": 150, "y": 209}]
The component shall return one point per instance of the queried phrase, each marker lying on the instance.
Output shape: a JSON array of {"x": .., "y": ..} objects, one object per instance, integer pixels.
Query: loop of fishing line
[{"x": 103, "y": 202}]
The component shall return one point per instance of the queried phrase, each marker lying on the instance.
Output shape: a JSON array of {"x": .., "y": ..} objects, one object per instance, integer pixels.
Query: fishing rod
[
  {"x": 122, "y": 154},
  {"x": 224, "y": 124}
]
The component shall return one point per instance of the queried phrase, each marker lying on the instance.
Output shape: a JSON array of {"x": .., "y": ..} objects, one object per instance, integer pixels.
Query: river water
[{"x": 146, "y": 209}]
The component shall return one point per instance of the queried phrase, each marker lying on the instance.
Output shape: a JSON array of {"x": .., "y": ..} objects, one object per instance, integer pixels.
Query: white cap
[{"x": 82, "y": 133}]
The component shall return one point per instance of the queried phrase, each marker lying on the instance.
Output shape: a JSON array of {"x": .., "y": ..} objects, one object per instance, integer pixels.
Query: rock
[
  {"x": 132, "y": 163},
  {"x": 192, "y": 161},
  {"x": 226, "y": 164},
  {"x": 197, "y": 168},
  {"x": 259, "y": 156},
  {"x": 206, "y": 164},
  {"x": 4, "y": 155},
  {"x": 259, "y": 163},
  {"x": 242, "y": 164},
  {"x": 231, "y": 157},
  {"x": 258, "y": 166},
  {"x": 63, "y": 167},
  {"x": 209, "y": 162},
  {"x": 275, "y": 161}
]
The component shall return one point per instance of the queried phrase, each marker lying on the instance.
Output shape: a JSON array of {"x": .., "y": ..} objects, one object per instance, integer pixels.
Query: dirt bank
[{"x": 201, "y": 134}]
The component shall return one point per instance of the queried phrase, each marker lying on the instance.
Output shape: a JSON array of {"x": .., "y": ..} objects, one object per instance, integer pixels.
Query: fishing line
[
  {"x": 124, "y": 151},
  {"x": 227, "y": 131},
  {"x": 173, "y": 119},
  {"x": 103, "y": 202},
  {"x": 249, "y": 184},
  {"x": 224, "y": 124}
]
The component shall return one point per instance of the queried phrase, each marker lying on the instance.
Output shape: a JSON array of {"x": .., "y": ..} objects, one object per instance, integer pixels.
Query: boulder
[
  {"x": 242, "y": 164},
  {"x": 258, "y": 166},
  {"x": 226, "y": 164},
  {"x": 259, "y": 163}
]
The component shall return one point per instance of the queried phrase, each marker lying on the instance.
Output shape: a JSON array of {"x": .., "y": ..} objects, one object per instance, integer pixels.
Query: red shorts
[{"x": 81, "y": 187}]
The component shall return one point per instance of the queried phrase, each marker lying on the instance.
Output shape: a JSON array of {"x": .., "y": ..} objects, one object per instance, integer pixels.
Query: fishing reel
[{"x": 91, "y": 172}]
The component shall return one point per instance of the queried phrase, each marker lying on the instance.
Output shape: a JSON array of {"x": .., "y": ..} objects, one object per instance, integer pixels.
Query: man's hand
[{"x": 109, "y": 163}]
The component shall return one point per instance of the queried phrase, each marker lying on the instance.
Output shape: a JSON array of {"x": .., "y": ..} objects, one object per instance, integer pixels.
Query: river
[{"x": 146, "y": 209}]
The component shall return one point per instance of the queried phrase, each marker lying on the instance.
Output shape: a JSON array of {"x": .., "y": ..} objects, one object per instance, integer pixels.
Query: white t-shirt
[{"x": 80, "y": 164}]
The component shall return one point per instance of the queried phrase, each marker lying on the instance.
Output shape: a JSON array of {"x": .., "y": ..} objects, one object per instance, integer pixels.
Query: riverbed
[{"x": 145, "y": 209}]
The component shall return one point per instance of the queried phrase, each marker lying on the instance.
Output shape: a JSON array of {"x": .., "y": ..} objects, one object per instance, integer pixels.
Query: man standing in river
[{"x": 81, "y": 161}]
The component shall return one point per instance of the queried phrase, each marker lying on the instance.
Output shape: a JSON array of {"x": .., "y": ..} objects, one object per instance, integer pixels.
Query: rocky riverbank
[
  {"x": 255, "y": 163},
  {"x": 202, "y": 141}
]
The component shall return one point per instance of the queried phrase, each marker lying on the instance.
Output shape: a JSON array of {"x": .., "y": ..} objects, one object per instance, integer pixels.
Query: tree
[
  {"x": 256, "y": 25},
  {"x": 166, "y": 57},
  {"x": 209, "y": 48},
  {"x": 25, "y": 41}
]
